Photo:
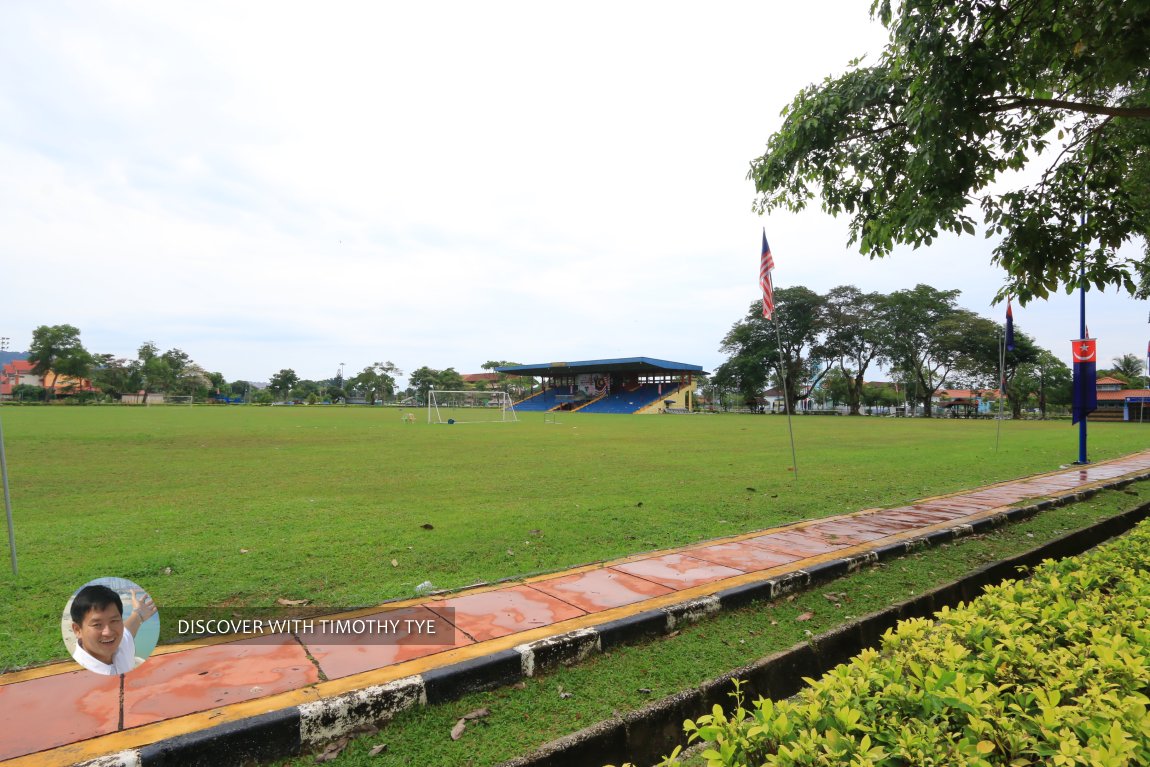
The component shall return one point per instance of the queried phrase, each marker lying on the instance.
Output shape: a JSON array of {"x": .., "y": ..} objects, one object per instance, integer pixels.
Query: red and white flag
[{"x": 766, "y": 265}]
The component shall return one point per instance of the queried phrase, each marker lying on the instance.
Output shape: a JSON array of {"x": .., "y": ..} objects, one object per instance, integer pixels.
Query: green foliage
[
  {"x": 282, "y": 382},
  {"x": 754, "y": 345},
  {"x": 855, "y": 336},
  {"x": 963, "y": 95},
  {"x": 56, "y": 349},
  {"x": 1046, "y": 380},
  {"x": 1054, "y": 670},
  {"x": 425, "y": 379},
  {"x": 927, "y": 336},
  {"x": 376, "y": 381},
  {"x": 1128, "y": 367}
]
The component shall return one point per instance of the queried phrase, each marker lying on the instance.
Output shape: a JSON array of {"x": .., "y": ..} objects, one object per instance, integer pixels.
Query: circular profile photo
[{"x": 110, "y": 626}]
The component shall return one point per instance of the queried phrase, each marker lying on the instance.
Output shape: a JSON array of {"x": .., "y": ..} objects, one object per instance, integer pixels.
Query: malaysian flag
[
  {"x": 1009, "y": 327},
  {"x": 766, "y": 265}
]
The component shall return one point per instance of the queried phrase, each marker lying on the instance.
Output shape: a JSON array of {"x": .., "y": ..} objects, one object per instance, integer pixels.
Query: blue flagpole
[{"x": 1082, "y": 334}]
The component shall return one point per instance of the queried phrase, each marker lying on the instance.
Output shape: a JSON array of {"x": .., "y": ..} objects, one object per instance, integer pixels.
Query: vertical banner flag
[
  {"x": 1085, "y": 356},
  {"x": 1009, "y": 327},
  {"x": 766, "y": 264}
]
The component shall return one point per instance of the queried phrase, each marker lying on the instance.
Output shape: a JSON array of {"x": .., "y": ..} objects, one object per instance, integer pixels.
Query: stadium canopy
[{"x": 640, "y": 365}]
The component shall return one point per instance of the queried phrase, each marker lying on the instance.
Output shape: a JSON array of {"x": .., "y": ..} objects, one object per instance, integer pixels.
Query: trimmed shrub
[{"x": 1054, "y": 670}]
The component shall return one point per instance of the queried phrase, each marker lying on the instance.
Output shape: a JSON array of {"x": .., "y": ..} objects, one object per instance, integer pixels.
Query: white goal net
[{"x": 470, "y": 407}]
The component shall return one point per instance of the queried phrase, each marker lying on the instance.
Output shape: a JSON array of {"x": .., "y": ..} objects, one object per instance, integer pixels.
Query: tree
[
  {"x": 240, "y": 389},
  {"x": 449, "y": 379},
  {"x": 856, "y": 335},
  {"x": 1048, "y": 378},
  {"x": 282, "y": 382},
  {"x": 754, "y": 346},
  {"x": 114, "y": 376},
  {"x": 377, "y": 381},
  {"x": 151, "y": 368},
  {"x": 982, "y": 349},
  {"x": 963, "y": 95},
  {"x": 56, "y": 350},
  {"x": 422, "y": 381},
  {"x": 1127, "y": 367},
  {"x": 925, "y": 337}
]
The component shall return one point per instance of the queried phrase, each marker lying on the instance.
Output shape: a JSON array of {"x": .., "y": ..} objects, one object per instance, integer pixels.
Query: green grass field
[{"x": 322, "y": 500}]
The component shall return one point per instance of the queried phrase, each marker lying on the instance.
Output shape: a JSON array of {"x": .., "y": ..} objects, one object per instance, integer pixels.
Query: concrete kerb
[
  {"x": 291, "y": 731},
  {"x": 653, "y": 731}
]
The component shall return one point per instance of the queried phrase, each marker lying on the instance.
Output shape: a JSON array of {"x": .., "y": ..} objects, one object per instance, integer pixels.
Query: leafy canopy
[{"x": 963, "y": 95}]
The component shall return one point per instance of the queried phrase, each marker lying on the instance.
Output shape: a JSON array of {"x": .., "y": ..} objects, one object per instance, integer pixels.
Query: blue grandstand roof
[{"x": 636, "y": 364}]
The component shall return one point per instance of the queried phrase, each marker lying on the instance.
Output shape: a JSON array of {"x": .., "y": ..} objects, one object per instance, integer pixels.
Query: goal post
[{"x": 470, "y": 407}]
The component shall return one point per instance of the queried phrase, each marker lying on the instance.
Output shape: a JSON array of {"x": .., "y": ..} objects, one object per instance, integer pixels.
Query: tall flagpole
[
  {"x": 766, "y": 283},
  {"x": 786, "y": 396},
  {"x": 1082, "y": 334},
  {"x": 1001, "y": 388}
]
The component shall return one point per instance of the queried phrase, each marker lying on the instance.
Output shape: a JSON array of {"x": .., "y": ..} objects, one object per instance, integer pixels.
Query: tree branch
[{"x": 1022, "y": 102}]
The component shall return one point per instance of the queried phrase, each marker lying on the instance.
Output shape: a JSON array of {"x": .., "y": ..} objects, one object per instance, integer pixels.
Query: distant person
[{"x": 105, "y": 642}]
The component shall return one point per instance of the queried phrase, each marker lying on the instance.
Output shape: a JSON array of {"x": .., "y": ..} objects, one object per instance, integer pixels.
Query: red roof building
[{"x": 19, "y": 373}]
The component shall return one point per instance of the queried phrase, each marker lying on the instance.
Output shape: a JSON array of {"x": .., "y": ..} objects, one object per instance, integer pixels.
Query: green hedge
[{"x": 1054, "y": 670}]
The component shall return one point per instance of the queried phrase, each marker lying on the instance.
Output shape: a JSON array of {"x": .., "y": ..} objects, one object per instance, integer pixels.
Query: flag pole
[
  {"x": 1001, "y": 388},
  {"x": 8, "y": 503},
  {"x": 767, "y": 284},
  {"x": 1082, "y": 334},
  {"x": 786, "y": 397}
]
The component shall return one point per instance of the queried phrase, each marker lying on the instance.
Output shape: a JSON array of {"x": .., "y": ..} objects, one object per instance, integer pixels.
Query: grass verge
[{"x": 552, "y": 705}]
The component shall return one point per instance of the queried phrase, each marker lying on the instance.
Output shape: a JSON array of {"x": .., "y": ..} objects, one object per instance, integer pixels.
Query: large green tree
[
  {"x": 376, "y": 381},
  {"x": 153, "y": 371},
  {"x": 926, "y": 338},
  {"x": 758, "y": 351},
  {"x": 56, "y": 351},
  {"x": 986, "y": 359},
  {"x": 855, "y": 336},
  {"x": 963, "y": 95},
  {"x": 282, "y": 382},
  {"x": 115, "y": 376}
]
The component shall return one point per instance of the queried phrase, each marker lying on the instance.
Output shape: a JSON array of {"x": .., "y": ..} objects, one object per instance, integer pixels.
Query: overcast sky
[{"x": 276, "y": 184}]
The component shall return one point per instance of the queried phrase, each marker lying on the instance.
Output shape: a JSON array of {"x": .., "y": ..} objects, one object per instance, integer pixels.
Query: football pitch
[{"x": 241, "y": 506}]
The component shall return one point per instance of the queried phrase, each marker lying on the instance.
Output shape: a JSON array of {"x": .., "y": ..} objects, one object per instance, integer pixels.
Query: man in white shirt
[{"x": 105, "y": 642}]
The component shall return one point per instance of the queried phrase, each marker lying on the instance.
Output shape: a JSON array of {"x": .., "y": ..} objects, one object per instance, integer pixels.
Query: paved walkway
[{"x": 61, "y": 715}]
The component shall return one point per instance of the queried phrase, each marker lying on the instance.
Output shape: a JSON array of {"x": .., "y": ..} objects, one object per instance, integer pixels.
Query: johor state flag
[
  {"x": 1009, "y": 327},
  {"x": 1085, "y": 356},
  {"x": 766, "y": 265}
]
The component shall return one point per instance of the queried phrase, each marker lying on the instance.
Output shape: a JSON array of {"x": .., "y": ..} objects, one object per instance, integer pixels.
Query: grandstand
[{"x": 625, "y": 385}]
